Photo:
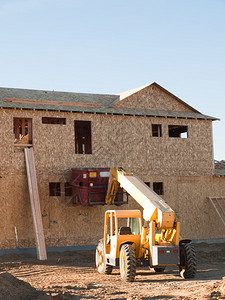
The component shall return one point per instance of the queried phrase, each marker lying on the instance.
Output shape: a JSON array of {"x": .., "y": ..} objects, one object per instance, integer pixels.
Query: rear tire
[
  {"x": 188, "y": 262},
  {"x": 100, "y": 260},
  {"x": 127, "y": 263}
]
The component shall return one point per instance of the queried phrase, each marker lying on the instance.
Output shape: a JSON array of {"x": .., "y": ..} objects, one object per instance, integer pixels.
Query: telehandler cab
[{"x": 126, "y": 242}]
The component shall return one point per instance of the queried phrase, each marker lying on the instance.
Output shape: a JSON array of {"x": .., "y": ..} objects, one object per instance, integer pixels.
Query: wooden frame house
[{"x": 148, "y": 131}]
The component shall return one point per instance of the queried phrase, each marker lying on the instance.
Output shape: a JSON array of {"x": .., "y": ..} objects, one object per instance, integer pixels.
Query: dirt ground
[{"x": 72, "y": 275}]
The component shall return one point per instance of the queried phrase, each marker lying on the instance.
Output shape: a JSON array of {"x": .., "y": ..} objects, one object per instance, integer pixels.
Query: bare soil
[{"x": 72, "y": 275}]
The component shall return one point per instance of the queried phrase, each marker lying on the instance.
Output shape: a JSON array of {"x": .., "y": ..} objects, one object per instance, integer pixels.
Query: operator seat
[{"x": 125, "y": 230}]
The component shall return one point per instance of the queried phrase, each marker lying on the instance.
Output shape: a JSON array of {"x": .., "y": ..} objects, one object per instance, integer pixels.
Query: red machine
[{"x": 89, "y": 187}]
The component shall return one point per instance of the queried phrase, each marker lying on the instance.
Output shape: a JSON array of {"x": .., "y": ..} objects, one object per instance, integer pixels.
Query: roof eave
[{"x": 118, "y": 111}]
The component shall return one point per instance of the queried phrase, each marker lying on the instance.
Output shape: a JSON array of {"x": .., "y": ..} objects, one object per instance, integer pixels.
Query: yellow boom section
[{"x": 155, "y": 208}]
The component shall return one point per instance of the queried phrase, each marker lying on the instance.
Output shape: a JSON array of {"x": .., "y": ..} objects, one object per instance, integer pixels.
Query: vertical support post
[
  {"x": 151, "y": 239},
  {"x": 111, "y": 224},
  {"x": 177, "y": 235},
  {"x": 152, "y": 235},
  {"x": 29, "y": 131},
  {"x": 35, "y": 204}
]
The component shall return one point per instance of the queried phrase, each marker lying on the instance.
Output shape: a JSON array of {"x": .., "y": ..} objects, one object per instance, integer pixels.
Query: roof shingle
[{"x": 81, "y": 102}]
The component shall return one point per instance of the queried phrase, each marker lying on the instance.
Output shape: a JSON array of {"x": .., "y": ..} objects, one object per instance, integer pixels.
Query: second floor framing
[
  {"x": 103, "y": 140},
  {"x": 165, "y": 129}
]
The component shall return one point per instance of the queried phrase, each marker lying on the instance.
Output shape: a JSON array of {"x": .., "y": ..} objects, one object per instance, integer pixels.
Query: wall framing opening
[
  {"x": 83, "y": 143},
  {"x": 178, "y": 131},
  {"x": 156, "y": 130},
  {"x": 22, "y": 131}
]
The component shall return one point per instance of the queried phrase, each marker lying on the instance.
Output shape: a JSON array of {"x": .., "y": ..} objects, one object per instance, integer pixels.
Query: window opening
[
  {"x": 60, "y": 121},
  {"x": 179, "y": 131},
  {"x": 83, "y": 137},
  {"x": 68, "y": 189},
  {"x": 135, "y": 225},
  {"x": 147, "y": 183},
  {"x": 22, "y": 131},
  {"x": 158, "y": 188},
  {"x": 157, "y": 130},
  {"x": 54, "y": 189}
]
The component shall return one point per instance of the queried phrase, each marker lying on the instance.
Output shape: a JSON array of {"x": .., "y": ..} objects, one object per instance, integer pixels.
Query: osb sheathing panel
[
  {"x": 15, "y": 211},
  {"x": 116, "y": 140},
  {"x": 199, "y": 218},
  {"x": 153, "y": 97}
]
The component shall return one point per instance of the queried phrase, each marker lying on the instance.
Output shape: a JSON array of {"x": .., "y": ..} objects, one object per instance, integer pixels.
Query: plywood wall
[{"x": 116, "y": 140}]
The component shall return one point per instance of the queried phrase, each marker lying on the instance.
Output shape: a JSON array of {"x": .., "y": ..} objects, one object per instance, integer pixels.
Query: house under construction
[{"x": 76, "y": 137}]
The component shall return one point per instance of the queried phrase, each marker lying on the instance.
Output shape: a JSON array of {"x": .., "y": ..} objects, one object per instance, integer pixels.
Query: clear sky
[{"x": 110, "y": 46}]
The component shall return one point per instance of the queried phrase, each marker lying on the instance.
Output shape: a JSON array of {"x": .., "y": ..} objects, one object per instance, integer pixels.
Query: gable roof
[
  {"x": 88, "y": 103},
  {"x": 127, "y": 94}
]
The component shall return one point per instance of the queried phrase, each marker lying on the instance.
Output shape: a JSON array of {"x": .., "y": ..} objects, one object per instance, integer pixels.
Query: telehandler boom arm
[{"x": 155, "y": 208}]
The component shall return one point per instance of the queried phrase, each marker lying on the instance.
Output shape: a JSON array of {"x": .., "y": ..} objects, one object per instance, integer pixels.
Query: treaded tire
[
  {"x": 188, "y": 262},
  {"x": 127, "y": 263},
  {"x": 159, "y": 270},
  {"x": 100, "y": 260}
]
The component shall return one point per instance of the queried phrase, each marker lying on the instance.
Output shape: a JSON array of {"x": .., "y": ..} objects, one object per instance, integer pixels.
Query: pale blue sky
[{"x": 110, "y": 46}]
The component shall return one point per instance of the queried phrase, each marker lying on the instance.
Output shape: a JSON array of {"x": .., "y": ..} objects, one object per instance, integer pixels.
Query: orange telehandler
[{"x": 127, "y": 243}]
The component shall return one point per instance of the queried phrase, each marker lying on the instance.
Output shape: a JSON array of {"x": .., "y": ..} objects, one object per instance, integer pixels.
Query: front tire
[
  {"x": 100, "y": 260},
  {"x": 127, "y": 263},
  {"x": 188, "y": 262}
]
